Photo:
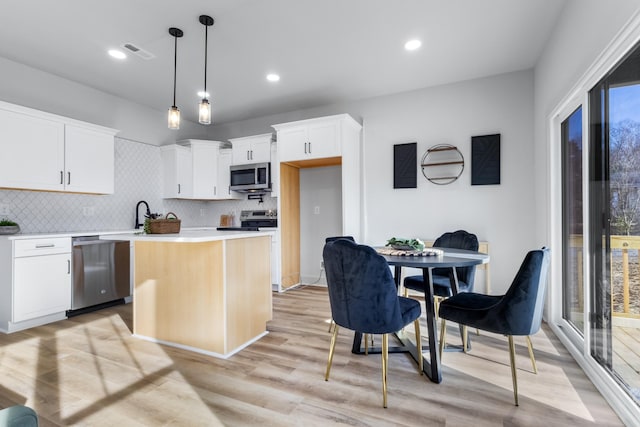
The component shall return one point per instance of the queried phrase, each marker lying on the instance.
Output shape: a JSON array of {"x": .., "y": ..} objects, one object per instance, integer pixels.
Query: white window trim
[{"x": 623, "y": 42}]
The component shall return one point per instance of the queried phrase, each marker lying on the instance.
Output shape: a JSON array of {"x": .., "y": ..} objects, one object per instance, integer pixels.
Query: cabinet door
[
  {"x": 251, "y": 149},
  {"x": 292, "y": 144},
  {"x": 241, "y": 152},
  {"x": 224, "y": 177},
  {"x": 323, "y": 140},
  {"x": 261, "y": 151},
  {"x": 205, "y": 171},
  {"x": 32, "y": 152},
  {"x": 42, "y": 286},
  {"x": 89, "y": 161},
  {"x": 176, "y": 162}
]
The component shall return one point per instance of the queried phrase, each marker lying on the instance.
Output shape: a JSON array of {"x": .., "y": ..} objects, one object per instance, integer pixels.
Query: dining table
[{"x": 440, "y": 258}]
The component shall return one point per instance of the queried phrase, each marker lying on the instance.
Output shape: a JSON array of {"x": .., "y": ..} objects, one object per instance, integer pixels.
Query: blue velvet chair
[
  {"x": 364, "y": 298},
  {"x": 517, "y": 312},
  {"x": 18, "y": 416},
  {"x": 459, "y": 239},
  {"x": 441, "y": 276}
]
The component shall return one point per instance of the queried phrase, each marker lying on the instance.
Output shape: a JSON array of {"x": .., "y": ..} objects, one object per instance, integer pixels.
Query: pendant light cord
[
  {"x": 175, "y": 67},
  {"x": 206, "y": 38}
]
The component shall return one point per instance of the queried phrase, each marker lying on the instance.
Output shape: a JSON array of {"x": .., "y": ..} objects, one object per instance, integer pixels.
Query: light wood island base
[{"x": 213, "y": 297}]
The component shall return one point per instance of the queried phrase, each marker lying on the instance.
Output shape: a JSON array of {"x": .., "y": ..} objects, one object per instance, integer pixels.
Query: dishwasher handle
[{"x": 93, "y": 240}]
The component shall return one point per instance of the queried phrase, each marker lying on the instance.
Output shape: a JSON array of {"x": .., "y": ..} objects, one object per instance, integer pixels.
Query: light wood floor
[{"x": 89, "y": 371}]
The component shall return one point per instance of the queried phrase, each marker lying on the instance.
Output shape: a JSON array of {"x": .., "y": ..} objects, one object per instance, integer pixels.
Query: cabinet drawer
[{"x": 45, "y": 246}]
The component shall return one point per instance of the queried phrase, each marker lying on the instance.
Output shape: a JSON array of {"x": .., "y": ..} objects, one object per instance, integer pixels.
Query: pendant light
[
  {"x": 174, "y": 113},
  {"x": 204, "y": 109}
]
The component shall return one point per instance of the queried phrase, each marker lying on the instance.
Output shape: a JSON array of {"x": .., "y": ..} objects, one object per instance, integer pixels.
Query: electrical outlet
[
  {"x": 88, "y": 211},
  {"x": 321, "y": 264},
  {"x": 202, "y": 212},
  {"x": 4, "y": 210}
]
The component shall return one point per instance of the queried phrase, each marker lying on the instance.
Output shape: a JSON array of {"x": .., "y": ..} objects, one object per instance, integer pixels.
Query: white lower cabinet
[
  {"x": 35, "y": 281},
  {"x": 42, "y": 286}
]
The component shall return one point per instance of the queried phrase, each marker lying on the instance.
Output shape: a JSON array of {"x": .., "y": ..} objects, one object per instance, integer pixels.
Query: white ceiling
[{"x": 326, "y": 51}]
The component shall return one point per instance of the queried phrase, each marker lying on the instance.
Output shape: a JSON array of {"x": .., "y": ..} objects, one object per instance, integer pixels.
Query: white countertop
[
  {"x": 21, "y": 236},
  {"x": 186, "y": 235}
]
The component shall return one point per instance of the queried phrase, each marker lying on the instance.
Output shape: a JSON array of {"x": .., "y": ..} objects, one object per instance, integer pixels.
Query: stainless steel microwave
[{"x": 250, "y": 178}]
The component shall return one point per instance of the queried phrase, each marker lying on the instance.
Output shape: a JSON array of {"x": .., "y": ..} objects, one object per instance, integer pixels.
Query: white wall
[
  {"x": 452, "y": 114},
  {"x": 320, "y": 188}
]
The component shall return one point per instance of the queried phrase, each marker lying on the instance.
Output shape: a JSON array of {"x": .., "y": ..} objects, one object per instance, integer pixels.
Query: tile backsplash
[{"x": 138, "y": 176}]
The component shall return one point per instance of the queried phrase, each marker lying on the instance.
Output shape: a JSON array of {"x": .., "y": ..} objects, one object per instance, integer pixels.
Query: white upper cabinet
[
  {"x": 224, "y": 177},
  {"x": 177, "y": 171},
  {"x": 197, "y": 169},
  {"x": 251, "y": 149},
  {"x": 89, "y": 160},
  {"x": 204, "y": 158},
  {"x": 314, "y": 138},
  {"x": 42, "y": 151}
]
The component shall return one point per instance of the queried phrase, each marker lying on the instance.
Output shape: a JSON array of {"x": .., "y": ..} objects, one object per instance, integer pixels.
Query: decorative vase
[{"x": 9, "y": 229}]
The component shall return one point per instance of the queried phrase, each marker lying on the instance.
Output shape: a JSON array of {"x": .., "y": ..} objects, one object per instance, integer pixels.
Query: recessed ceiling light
[
  {"x": 202, "y": 94},
  {"x": 273, "y": 77},
  {"x": 118, "y": 54},
  {"x": 413, "y": 44}
]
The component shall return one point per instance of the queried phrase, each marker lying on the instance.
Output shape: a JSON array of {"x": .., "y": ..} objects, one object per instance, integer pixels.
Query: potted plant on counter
[{"x": 8, "y": 227}]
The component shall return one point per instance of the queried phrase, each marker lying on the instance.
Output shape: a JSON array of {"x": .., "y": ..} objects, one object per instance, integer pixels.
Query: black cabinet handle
[
  {"x": 178, "y": 188},
  {"x": 68, "y": 178},
  {"x": 61, "y": 177}
]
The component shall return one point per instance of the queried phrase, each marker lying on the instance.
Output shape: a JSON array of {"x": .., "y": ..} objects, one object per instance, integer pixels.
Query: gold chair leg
[
  {"x": 385, "y": 361},
  {"x": 416, "y": 326},
  {"x": 332, "y": 348},
  {"x": 331, "y": 324},
  {"x": 366, "y": 344},
  {"x": 531, "y": 356},
  {"x": 443, "y": 334},
  {"x": 465, "y": 338},
  {"x": 512, "y": 357}
]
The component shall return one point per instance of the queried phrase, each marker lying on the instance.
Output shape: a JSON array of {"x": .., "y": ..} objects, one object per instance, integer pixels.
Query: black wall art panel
[
  {"x": 405, "y": 165},
  {"x": 485, "y": 160}
]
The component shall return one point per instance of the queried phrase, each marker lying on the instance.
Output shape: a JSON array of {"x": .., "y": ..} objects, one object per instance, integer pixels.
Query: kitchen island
[{"x": 202, "y": 290}]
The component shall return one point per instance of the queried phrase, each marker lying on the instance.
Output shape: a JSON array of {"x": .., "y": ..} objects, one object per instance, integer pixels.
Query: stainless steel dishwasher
[{"x": 101, "y": 273}]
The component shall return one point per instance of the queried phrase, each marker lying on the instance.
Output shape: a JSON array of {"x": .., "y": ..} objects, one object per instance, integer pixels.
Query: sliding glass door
[
  {"x": 572, "y": 213},
  {"x": 614, "y": 225}
]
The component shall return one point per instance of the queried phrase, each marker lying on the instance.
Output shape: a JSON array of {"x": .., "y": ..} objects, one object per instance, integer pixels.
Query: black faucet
[{"x": 147, "y": 214}]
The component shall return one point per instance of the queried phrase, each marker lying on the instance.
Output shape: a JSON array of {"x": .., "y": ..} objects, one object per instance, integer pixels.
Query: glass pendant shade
[
  {"x": 173, "y": 119},
  {"x": 204, "y": 108},
  {"x": 204, "y": 112}
]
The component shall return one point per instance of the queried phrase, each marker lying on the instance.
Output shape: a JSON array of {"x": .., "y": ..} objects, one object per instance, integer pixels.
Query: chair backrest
[
  {"x": 459, "y": 239},
  {"x": 522, "y": 304},
  {"x": 362, "y": 291},
  {"x": 334, "y": 238}
]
